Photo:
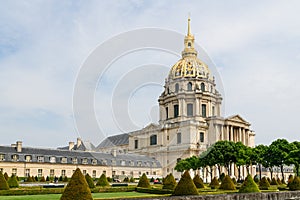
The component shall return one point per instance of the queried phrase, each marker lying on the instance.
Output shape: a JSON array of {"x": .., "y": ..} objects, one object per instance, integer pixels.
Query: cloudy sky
[{"x": 43, "y": 44}]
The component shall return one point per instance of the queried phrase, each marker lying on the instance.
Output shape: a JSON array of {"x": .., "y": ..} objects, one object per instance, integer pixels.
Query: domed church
[{"x": 190, "y": 117}]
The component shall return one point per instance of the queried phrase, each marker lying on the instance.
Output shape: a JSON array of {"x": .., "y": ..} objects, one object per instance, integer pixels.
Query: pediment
[
  {"x": 150, "y": 127},
  {"x": 237, "y": 118}
]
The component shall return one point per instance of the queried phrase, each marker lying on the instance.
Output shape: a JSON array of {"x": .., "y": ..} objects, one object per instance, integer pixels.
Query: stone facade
[{"x": 190, "y": 117}]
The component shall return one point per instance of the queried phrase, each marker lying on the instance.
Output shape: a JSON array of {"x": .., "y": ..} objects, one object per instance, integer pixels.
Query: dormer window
[
  {"x": 15, "y": 157},
  {"x": 85, "y": 161},
  {"x": 52, "y": 159},
  {"x": 40, "y": 158},
  {"x": 94, "y": 162},
  {"x": 28, "y": 158},
  {"x": 2, "y": 157},
  {"x": 74, "y": 160},
  {"x": 64, "y": 160}
]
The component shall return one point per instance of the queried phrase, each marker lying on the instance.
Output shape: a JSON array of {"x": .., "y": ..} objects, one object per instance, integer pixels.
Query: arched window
[
  {"x": 202, "y": 87},
  {"x": 201, "y": 137},
  {"x": 189, "y": 86},
  {"x": 153, "y": 139},
  {"x": 176, "y": 87}
]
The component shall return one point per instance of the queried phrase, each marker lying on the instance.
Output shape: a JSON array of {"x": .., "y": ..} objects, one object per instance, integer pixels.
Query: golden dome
[{"x": 189, "y": 65}]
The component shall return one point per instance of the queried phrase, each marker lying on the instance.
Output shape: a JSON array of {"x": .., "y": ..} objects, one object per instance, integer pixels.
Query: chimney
[
  {"x": 114, "y": 153},
  {"x": 78, "y": 142},
  {"x": 19, "y": 146},
  {"x": 71, "y": 145}
]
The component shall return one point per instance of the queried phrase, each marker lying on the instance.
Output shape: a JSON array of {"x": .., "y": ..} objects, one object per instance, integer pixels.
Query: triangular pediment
[
  {"x": 237, "y": 118},
  {"x": 150, "y": 127}
]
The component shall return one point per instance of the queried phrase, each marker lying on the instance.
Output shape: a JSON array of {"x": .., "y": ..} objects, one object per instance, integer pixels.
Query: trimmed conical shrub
[
  {"x": 295, "y": 184},
  {"x": 273, "y": 182},
  {"x": 227, "y": 184},
  {"x": 198, "y": 182},
  {"x": 6, "y": 176},
  {"x": 126, "y": 180},
  {"x": 291, "y": 178},
  {"x": 249, "y": 186},
  {"x": 102, "y": 181},
  {"x": 3, "y": 182},
  {"x": 132, "y": 180},
  {"x": 144, "y": 182},
  {"x": 42, "y": 179},
  {"x": 13, "y": 182},
  {"x": 89, "y": 181},
  {"x": 169, "y": 182},
  {"x": 29, "y": 179},
  {"x": 264, "y": 184},
  {"x": 77, "y": 188},
  {"x": 279, "y": 181},
  {"x": 185, "y": 186},
  {"x": 65, "y": 179},
  {"x": 214, "y": 183},
  {"x": 234, "y": 181}
]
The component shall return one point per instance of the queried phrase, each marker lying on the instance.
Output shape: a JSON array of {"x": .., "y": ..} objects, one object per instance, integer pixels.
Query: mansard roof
[
  {"x": 115, "y": 140},
  {"x": 8, "y": 153}
]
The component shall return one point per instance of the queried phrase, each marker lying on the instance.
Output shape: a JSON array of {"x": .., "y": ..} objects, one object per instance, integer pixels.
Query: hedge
[{"x": 154, "y": 190}]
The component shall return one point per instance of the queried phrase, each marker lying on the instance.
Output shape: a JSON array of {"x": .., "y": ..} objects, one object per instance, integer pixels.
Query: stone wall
[{"x": 295, "y": 195}]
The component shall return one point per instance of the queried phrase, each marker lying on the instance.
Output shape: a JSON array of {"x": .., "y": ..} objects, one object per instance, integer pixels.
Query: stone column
[
  {"x": 240, "y": 134},
  {"x": 180, "y": 104},
  {"x": 222, "y": 132},
  {"x": 244, "y": 136},
  {"x": 227, "y": 132},
  {"x": 197, "y": 107},
  {"x": 231, "y": 133}
]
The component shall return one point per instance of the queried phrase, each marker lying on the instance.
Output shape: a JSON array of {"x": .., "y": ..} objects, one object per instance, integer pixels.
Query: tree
[
  {"x": 185, "y": 186},
  {"x": 13, "y": 182},
  {"x": 77, "y": 188},
  {"x": 144, "y": 182},
  {"x": 3, "y": 182},
  {"x": 169, "y": 182},
  {"x": 294, "y": 158},
  {"x": 198, "y": 182},
  {"x": 89, "y": 181},
  {"x": 280, "y": 153},
  {"x": 102, "y": 181},
  {"x": 249, "y": 186},
  {"x": 260, "y": 151},
  {"x": 182, "y": 165}
]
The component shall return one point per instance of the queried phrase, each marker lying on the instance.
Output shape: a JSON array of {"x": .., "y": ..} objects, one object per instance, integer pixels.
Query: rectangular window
[
  {"x": 178, "y": 160},
  {"x": 167, "y": 113},
  {"x": 51, "y": 172},
  {"x": 27, "y": 172},
  {"x": 84, "y": 172},
  {"x": 153, "y": 139},
  {"x": 40, "y": 172},
  {"x": 14, "y": 171},
  {"x": 94, "y": 174},
  {"x": 136, "y": 144},
  {"x": 201, "y": 137},
  {"x": 104, "y": 172},
  {"x": 64, "y": 160},
  {"x": 2, "y": 157},
  {"x": 1, "y": 170},
  {"x": 113, "y": 173},
  {"x": 203, "y": 110},
  {"x": 213, "y": 111},
  {"x": 178, "y": 138},
  {"x": 189, "y": 109},
  {"x": 52, "y": 159},
  {"x": 123, "y": 172},
  {"x": 40, "y": 158},
  {"x": 176, "y": 111},
  {"x": 63, "y": 173}
]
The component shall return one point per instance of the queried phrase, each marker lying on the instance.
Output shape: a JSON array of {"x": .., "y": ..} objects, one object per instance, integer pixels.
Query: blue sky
[{"x": 254, "y": 45}]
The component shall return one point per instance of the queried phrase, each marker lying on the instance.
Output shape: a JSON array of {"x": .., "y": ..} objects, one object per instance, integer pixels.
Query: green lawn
[{"x": 114, "y": 195}]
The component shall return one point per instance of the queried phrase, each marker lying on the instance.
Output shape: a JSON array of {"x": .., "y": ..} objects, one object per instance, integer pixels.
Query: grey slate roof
[
  {"x": 85, "y": 146},
  {"x": 102, "y": 158},
  {"x": 115, "y": 140}
]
